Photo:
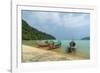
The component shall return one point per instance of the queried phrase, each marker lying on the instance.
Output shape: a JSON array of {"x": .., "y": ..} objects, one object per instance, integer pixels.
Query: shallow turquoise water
[{"x": 82, "y": 46}]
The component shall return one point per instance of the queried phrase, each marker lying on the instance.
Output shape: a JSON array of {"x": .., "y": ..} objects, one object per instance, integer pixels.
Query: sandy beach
[{"x": 34, "y": 54}]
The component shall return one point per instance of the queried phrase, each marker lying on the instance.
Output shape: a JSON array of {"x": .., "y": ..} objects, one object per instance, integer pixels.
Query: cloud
[
  {"x": 47, "y": 17},
  {"x": 62, "y": 19},
  {"x": 62, "y": 25},
  {"x": 75, "y": 20}
]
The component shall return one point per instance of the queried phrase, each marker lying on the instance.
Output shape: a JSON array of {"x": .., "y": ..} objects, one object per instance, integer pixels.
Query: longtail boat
[{"x": 50, "y": 45}]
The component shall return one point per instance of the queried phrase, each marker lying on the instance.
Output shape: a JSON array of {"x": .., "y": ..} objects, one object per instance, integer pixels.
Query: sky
[{"x": 61, "y": 25}]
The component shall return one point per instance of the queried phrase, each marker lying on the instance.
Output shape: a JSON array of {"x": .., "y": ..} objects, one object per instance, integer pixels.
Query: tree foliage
[{"x": 30, "y": 33}]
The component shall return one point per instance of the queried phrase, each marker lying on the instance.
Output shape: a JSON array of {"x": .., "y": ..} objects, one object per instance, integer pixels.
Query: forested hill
[
  {"x": 86, "y": 38},
  {"x": 30, "y": 33}
]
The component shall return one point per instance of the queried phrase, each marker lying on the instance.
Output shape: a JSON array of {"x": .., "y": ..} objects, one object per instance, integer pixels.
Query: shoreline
[{"x": 34, "y": 54}]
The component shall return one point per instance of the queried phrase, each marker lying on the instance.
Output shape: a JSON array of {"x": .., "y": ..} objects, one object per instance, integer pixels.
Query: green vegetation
[
  {"x": 30, "y": 33},
  {"x": 86, "y": 38}
]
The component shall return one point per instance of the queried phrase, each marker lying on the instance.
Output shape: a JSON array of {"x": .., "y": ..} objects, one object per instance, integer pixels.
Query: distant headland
[{"x": 86, "y": 38}]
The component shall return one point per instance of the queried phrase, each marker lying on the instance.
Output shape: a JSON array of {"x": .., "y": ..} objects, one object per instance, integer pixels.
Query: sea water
[{"x": 82, "y": 46}]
